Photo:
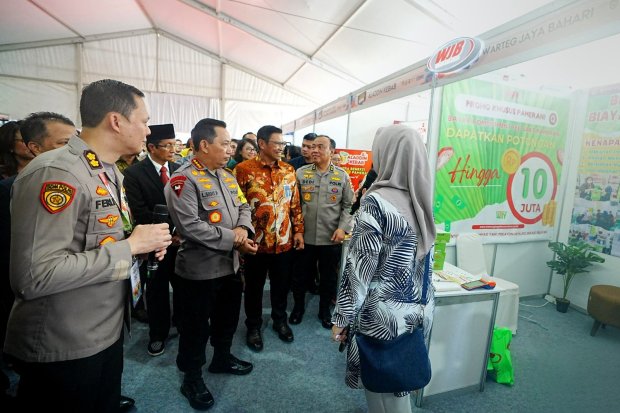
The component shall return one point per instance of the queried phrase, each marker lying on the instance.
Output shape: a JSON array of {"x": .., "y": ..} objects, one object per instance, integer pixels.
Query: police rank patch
[
  {"x": 56, "y": 196},
  {"x": 177, "y": 183},
  {"x": 110, "y": 220},
  {"x": 101, "y": 191},
  {"x": 106, "y": 240},
  {"x": 91, "y": 158},
  {"x": 215, "y": 217},
  {"x": 197, "y": 164}
]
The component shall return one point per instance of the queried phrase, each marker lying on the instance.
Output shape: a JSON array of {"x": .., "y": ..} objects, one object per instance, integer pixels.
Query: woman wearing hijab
[{"x": 380, "y": 293}]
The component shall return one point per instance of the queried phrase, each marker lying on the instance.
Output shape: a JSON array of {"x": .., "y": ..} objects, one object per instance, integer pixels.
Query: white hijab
[{"x": 404, "y": 180}]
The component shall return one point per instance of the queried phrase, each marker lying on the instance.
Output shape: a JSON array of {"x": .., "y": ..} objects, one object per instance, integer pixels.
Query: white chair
[{"x": 470, "y": 257}]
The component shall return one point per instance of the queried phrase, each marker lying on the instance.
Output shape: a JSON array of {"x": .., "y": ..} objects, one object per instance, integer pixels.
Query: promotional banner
[
  {"x": 595, "y": 210},
  {"x": 499, "y": 162},
  {"x": 357, "y": 163}
]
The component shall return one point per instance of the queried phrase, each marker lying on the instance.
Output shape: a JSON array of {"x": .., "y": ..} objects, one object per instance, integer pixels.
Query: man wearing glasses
[
  {"x": 144, "y": 185},
  {"x": 270, "y": 187}
]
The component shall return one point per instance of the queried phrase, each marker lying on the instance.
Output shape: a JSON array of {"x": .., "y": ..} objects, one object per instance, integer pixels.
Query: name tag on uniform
[
  {"x": 136, "y": 286},
  {"x": 287, "y": 191}
]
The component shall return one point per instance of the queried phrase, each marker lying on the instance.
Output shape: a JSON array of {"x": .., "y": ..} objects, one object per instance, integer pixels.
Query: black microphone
[{"x": 160, "y": 216}]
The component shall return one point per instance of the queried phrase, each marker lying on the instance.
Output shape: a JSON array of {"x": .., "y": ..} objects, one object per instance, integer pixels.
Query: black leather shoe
[
  {"x": 199, "y": 396},
  {"x": 232, "y": 366},
  {"x": 284, "y": 332},
  {"x": 326, "y": 321},
  {"x": 254, "y": 340},
  {"x": 126, "y": 403},
  {"x": 296, "y": 317}
]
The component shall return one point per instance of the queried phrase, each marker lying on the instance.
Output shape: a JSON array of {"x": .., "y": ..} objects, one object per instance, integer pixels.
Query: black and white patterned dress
[{"x": 382, "y": 280}]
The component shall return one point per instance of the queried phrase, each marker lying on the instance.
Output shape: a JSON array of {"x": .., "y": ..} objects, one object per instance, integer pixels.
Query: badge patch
[
  {"x": 307, "y": 196},
  {"x": 207, "y": 186},
  {"x": 56, "y": 196},
  {"x": 203, "y": 179},
  {"x": 91, "y": 158},
  {"x": 228, "y": 180},
  {"x": 195, "y": 173},
  {"x": 335, "y": 178},
  {"x": 232, "y": 186},
  {"x": 333, "y": 198},
  {"x": 215, "y": 217},
  {"x": 107, "y": 240},
  {"x": 202, "y": 173},
  {"x": 307, "y": 188},
  {"x": 334, "y": 190},
  {"x": 110, "y": 220},
  {"x": 177, "y": 183},
  {"x": 101, "y": 191},
  {"x": 213, "y": 203}
]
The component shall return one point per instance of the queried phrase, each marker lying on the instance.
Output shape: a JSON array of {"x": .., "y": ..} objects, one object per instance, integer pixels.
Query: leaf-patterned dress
[{"x": 382, "y": 280}]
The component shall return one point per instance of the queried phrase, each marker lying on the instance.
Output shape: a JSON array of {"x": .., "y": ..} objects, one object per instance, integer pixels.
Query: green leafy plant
[{"x": 572, "y": 259}]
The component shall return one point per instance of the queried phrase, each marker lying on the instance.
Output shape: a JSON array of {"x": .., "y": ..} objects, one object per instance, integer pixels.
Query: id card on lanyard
[{"x": 134, "y": 275}]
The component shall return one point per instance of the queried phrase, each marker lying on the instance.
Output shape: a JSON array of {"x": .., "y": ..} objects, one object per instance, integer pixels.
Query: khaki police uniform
[
  {"x": 326, "y": 199},
  {"x": 206, "y": 206},
  {"x": 68, "y": 258},
  {"x": 69, "y": 269}
]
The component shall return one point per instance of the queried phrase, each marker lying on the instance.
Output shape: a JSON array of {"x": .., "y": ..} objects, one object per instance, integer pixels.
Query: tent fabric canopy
[{"x": 287, "y": 55}]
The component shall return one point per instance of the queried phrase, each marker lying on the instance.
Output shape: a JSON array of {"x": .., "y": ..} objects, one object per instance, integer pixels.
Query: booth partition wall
[{"x": 525, "y": 143}]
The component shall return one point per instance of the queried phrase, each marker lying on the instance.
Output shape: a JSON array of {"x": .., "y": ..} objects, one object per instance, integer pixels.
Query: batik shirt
[
  {"x": 380, "y": 292},
  {"x": 273, "y": 195}
]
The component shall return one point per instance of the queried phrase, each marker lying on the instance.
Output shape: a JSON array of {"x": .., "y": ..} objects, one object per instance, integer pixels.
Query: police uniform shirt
[
  {"x": 326, "y": 199},
  {"x": 205, "y": 206},
  {"x": 69, "y": 259}
]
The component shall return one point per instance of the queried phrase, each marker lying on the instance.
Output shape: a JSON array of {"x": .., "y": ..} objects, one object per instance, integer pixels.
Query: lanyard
[{"x": 122, "y": 206}]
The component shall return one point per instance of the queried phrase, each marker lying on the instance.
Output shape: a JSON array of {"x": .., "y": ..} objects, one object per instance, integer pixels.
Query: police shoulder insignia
[
  {"x": 91, "y": 158},
  {"x": 101, "y": 191},
  {"x": 215, "y": 217},
  {"x": 177, "y": 183},
  {"x": 106, "y": 240},
  {"x": 197, "y": 164},
  {"x": 56, "y": 196},
  {"x": 195, "y": 173}
]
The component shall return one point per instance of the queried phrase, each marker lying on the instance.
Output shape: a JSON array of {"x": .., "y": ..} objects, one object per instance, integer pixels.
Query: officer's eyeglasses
[{"x": 168, "y": 146}]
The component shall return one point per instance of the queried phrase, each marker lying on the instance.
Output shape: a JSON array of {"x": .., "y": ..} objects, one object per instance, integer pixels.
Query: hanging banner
[
  {"x": 357, "y": 163},
  {"x": 499, "y": 162},
  {"x": 595, "y": 210}
]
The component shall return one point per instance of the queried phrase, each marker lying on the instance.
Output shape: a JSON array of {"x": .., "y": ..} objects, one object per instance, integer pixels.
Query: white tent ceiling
[{"x": 299, "y": 53}]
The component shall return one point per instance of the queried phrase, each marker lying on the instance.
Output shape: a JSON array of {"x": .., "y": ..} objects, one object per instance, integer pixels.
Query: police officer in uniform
[
  {"x": 71, "y": 259},
  {"x": 326, "y": 198},
  {"x": 213, "y": 219}
]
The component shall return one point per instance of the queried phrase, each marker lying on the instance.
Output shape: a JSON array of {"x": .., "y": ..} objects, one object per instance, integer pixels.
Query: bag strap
[{"x": 427, "y": 264}]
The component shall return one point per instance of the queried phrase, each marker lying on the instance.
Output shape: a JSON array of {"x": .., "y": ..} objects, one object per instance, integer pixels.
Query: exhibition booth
[{"x": 512, "y": 138}]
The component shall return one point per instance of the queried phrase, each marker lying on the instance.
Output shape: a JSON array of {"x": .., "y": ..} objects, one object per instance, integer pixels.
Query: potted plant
[{"x": 570, "y": 260}]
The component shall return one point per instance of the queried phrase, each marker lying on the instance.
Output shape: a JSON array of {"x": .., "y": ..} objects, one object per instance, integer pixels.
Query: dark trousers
[
  {"x": 256, "y": 268},
  {"x": 157, "y": 296},
  {"x": 91, "y": 384},
  {"x": 328, "y": 259},
  {"x": 206, "y": 308}
]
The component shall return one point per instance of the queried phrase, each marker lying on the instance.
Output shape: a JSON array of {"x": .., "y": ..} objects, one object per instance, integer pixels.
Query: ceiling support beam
[{"x": 270, "y": 40}]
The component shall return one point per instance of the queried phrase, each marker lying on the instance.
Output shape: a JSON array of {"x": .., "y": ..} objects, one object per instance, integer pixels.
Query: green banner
[
  {"x": 596, "y": 214},
  {"x": 499, "y": 162}
]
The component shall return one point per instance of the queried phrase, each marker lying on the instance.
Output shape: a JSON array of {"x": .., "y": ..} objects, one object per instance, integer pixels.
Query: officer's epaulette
[
  {"x": 92, "y": 160},
  {"x": 198, "y": 165}
]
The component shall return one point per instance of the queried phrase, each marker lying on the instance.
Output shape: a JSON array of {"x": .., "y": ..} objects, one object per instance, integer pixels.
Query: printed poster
[
  {"x": 595, "y": 211},
  {"x": 499, "y": 161},
  {"x": 357, "y": 163}
]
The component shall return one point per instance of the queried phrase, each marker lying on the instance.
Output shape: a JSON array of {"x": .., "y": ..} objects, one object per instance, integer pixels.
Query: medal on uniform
[
  {"x": 215, "y": 217},
  {"x": 307, "y": 197}
]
